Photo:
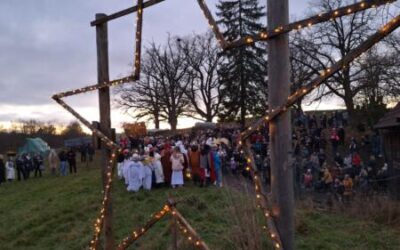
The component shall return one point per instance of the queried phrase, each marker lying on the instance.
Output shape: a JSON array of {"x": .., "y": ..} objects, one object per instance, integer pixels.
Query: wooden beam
[
  {"x": 93, "y": 87},
  {"x": 195, "y": 238},
  {"x": 317, "y": 81},
  {"x": 138, "y": 38},
  {"x": 213, "y": 24},
  {"x": 105, "y": 123},
  {"x": 305, "y": 23},
  {"x": 282, "y": 193},
  {"x": 139, "y": 232},
  {"x": 124, "y": 12},
  {"x": 261, "y": 198}
]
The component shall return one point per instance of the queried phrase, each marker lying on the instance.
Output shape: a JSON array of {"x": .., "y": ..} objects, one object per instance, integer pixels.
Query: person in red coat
[{"x": 356, "y": 162}]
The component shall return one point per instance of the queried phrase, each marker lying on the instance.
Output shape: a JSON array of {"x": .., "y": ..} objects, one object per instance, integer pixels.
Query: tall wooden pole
[
  {"x": 280, "y": 130},
  {"x": 105, "y": 120}
]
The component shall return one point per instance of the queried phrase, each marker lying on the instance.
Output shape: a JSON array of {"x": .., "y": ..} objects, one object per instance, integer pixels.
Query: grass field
[{"x": 58, "y": 213}]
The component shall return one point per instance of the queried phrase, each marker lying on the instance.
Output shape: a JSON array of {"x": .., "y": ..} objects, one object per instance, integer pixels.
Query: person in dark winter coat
[
  {"x": 83, "y": 151},
  {"x": 19, "y": 162},
  {"x": 63, "y": 163},
  {"x": 2, "y": 171},
  {"x": 71, "y": 156},
  {"x": 91, "y": 152},
  {"x": 38, "y": 164}
]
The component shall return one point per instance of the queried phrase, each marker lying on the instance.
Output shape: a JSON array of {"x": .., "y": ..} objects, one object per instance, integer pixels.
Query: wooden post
[
  {"x": 280, "y": 130},
  {"x": 174, "y": 229},
  {"x": 174, "y": 224},
  {"x": 105, "y": 120}
]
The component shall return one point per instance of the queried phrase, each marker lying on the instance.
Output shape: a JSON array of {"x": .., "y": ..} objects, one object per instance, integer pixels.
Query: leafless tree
[
  {"x": 380, "y": 79},
  {"x": 142, "y": 97},
  {"x": 204, "y": 88},
  {"x": 302, "y": 67},
  {"x": 325, "y": 43},
  {"x": 161, "y": 92}
]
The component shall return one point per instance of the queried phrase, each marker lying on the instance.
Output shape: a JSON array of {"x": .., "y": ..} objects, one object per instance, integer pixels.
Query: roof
[
  {"x": 390, "y": 119},
  {"x": 34, "y": 145}
]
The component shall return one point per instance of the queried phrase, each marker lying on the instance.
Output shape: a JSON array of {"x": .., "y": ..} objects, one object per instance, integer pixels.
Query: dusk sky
[{"x": 48, "y": 46}]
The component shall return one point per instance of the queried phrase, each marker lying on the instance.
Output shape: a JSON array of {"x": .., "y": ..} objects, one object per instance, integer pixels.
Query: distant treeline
[{"x": 13, "y": 138}]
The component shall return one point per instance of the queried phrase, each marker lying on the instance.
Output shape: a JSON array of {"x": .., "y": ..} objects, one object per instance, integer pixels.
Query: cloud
[{"x": 48, "y": 46}]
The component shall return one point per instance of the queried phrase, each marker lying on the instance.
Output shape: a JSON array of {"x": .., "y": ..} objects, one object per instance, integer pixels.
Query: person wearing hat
[
  {"x": 177, "y": 162},
  {"x": 135, "y": 175}
]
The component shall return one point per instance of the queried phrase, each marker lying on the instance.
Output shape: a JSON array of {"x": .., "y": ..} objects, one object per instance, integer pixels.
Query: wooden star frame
[{"x": 261, "y": 198}]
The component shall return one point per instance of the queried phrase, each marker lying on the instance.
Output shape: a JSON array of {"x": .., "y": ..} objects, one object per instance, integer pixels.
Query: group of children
[{"x": 170, "y": 164}]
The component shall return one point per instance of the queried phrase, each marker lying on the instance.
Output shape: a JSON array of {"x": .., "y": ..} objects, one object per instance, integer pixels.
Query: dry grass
[{"x": 379, "y": 209}]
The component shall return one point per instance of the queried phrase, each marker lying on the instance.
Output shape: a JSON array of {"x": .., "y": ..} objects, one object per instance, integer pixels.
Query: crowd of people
[
  {"x": 325, "y": 158},
  {"x": 23, "y": 166},
  {"x": 328, "y": 161},
  {"x": 154, "y": 162}
]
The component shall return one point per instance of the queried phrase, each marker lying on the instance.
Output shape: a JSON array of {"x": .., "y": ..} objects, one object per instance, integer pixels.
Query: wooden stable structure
[
  {"x": 389, "y": 127},
  {"x": 277, "y": 207}
]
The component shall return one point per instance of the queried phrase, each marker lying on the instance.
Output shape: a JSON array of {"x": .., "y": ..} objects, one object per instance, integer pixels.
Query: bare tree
[
  {"x": 327, "y": 42},
  {"x": 142, "y": 97},
  {"x": 29, "y": 127},
  {"x": 302, "y": 67},
  {"x": 171, "y": 72},
  {"x": 204, "y": 88},
  {"x": 380, "y": 77},
  {"x": 161, "y": 92}
]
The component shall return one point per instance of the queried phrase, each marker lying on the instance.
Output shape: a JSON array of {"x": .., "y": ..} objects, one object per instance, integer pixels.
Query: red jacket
[{"x": 356, "y": 160}]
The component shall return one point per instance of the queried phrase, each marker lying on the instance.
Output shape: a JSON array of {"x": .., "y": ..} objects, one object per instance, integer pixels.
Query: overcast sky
[{"x": 48, "y": 46}]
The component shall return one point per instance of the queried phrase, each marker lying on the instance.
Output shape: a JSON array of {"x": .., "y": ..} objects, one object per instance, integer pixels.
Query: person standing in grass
[
  {"x": 348, "y": 188},
  {"x": 91, "y": 152},
  {"x": 83, "y": 151},
  {"x": 38, "y": 164},
  {"x": 158, "y": 169},
  {"x": 217, "y": 165},
  {"x": 177, "y": 162},
  {"x": 2, "y": 170},
  {"x": 53, "y": 161},
  {"x": 166, "y": 163},
  {"x": 62, "y": 156},
  {"x": 135, "y": 175},
  {"x": 19, "y": 162},
  {"x": 194, "y": 163},
  {"x": 147, "y": 173},
  {"x": 71, "y": 156},
  {"x": 10, "y": 169}
]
